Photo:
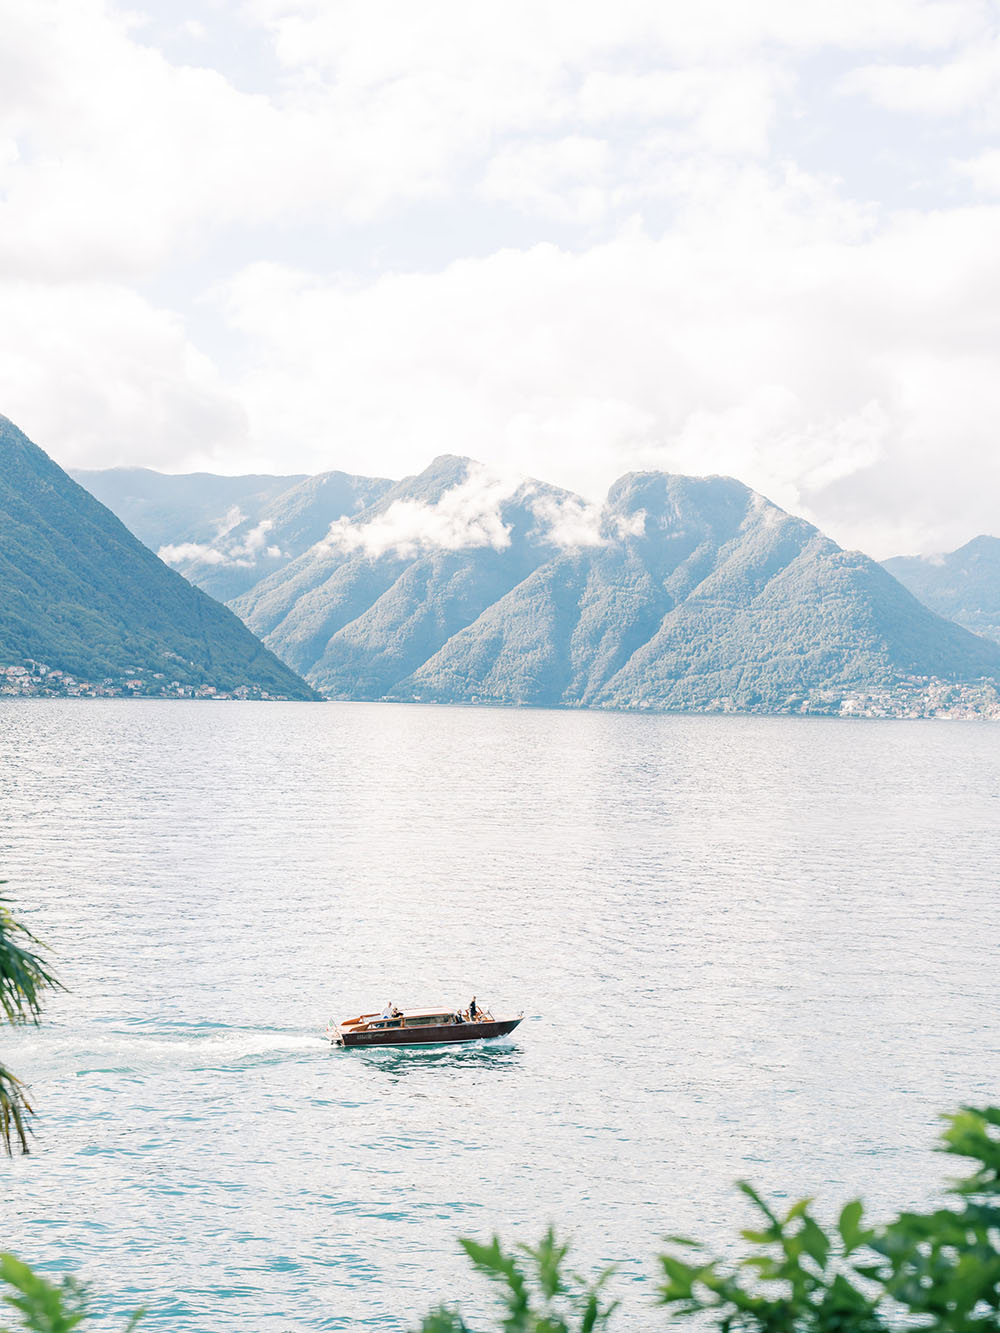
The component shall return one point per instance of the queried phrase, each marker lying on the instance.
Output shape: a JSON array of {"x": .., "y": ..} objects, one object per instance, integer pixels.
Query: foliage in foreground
[
  {"x": 937, "y": 1270},
  {"x": 545, "y": 1298},
  {"x": 23, "y": 977},
  {"x": 44, "y": 1306}
]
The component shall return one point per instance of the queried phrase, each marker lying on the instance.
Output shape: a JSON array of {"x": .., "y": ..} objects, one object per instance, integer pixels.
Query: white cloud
[
  {"x": 467, "y": 515},
  {"x": 787, "y": 342},
  {"x": 243, "y": 553},
  {"x": 983, "y": 171},
  {"x": 568, "y": 522},
  {"x": 629, "y": 525},
  {"x": 122, "y": 161},
  {"x": 255, "y": 540},
  {"x": 657, "y": 273},
  {"x": 102, "y": 377},
  {"x": 969, "y": 82},
  {"x": 183, "y": 552},
  {"x": 232, "y": 518},
  {"x": 567, "y": 179}
]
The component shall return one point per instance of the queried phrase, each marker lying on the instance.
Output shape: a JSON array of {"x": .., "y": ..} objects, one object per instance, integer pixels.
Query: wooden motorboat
[{"x": 411, "y": 1027}]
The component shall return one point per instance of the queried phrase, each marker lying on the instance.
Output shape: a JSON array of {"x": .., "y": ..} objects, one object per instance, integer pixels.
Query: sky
[{"x": 568, "y": 239}]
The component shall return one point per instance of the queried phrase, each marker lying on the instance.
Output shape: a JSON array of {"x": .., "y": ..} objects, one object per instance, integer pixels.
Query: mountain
[
  {"x": 388, "y": 588},
  {"x": 681, "y": 593},
  {"x": 80, "y": 593},
  {"x": 963, "y": 585},
  {"x": 227, "y": 533},
  {"x": 161, "y": 509}
]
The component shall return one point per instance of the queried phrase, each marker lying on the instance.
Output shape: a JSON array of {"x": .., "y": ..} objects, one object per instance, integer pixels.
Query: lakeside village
[
  {"x": 35, "y": 680},
  {"x": 911, "y": 697}
]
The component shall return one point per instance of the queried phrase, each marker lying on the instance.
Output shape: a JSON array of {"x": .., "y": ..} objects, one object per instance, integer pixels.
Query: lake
[{"x": 745, "y": 947}]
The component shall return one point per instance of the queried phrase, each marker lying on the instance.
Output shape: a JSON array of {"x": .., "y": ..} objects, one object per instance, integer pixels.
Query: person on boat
[
  {"x": 472, "y": 1009},
  {"x": 387, "y": 1011},
  {"x": 396, "y": 1013}
]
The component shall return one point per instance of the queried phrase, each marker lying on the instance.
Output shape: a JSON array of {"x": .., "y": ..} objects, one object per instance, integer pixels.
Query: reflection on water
[{"x": 748, "y": 947}]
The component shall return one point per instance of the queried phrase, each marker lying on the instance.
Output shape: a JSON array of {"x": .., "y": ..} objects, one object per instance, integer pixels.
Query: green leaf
[
  {"x": 442, "y": 1320},
  {"x": 849, "y": 1225},
  {"x": 548, "y": 1257},
  {"x": 814, "y": 1240},
  {"x": 756, "y": 1199},
  {"x": 45, "y": 1307}
]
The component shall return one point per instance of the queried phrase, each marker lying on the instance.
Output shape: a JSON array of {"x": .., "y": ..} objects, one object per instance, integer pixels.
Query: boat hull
[{"x": 425, "y": 1036}]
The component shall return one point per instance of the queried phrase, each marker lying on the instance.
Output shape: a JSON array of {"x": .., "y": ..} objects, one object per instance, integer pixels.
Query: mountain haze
[
  {"x": 161, "y": 509},
  {"x": 680, "y": 593},
  {"x": 227, "y": 533},
  {"x": 963, "y": 585},
  {"x": 80, "y": 593}
]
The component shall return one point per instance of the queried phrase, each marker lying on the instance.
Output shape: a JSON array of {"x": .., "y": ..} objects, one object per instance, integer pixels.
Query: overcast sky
[{"x": 757, "y": 237}]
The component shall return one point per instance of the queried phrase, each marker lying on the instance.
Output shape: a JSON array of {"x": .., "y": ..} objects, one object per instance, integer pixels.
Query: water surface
[{"x": 745, "y": 947}]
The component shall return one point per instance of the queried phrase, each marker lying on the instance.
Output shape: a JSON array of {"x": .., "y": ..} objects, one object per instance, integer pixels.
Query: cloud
[
  {"x": 232, "y": 518},
  {"x": 965, "y": 83},
  {"x": 568, "y": 522},
  {"x": 117, "y": 161},
  {"x": 243, "y": 553},
  {"x": 776, "y": 333},
  {"x": 353, "y": 234},
  {"x": 183, "y": 552},
  {"x": 102, "y": 377},
  {"x": 468, "y": 515},
  {"x": 982, "y": 171},
  {"x": 255, "y": 541},
  {"x": 567, "y": 179},
  {"x": 628, "y": 525}
]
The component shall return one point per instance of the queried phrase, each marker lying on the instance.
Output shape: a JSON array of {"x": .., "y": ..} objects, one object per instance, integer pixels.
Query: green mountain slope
[
  {"x": 963, "y": 585},
  {"x": 711, "y": 597},
  {"x": 162, "y": 509},
  {"x": 80, "y": 593},
  {"x": 692, "y": 593},
  {"x": 226, "y": 534},
  {"x": 360, "y": 620}
]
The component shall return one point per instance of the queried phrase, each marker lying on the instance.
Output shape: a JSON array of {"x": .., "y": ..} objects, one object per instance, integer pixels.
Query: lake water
[{"x": 744, "y": 947}]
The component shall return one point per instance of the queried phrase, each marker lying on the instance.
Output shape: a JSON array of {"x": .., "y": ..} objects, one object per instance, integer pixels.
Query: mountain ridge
[
  {"x": 227, "y": 533},
  {"x": 963, "y": 584},
  {"x": 458, "y": 585},
  {"x": 691, "y": 593},
  {"x": 80, "y": 593}
]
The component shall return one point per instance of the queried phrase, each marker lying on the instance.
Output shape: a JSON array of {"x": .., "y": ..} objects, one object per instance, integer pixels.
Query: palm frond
[
  {"x": 14, "y": 1110},
  {"x": 23, "y": 975}
]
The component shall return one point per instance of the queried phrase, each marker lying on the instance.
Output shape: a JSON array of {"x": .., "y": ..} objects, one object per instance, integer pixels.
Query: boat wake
[{"x": 79, "y": 1052}]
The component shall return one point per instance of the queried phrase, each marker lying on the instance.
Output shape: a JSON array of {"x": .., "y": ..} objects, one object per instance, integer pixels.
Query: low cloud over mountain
[
  {"x": 465, "y": 584},
  {"x": 679, "y": 592}
]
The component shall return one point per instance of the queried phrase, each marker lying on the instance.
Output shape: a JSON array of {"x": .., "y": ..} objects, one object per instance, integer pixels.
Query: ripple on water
[{"x": 761, "y": 947}]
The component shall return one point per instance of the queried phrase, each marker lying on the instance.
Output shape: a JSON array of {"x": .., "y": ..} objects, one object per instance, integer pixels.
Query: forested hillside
[{"x": 80, "y": 593}]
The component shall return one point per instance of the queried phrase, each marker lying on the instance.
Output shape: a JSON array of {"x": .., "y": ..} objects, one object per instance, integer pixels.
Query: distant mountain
[
  {"x": 227, "y": 533},
  {"x": 163, "y": 509},
  {"x": 679, "y": 593},
  {"x": 385, "y": 591},
  {"x": 963, "y": 585},
  {"x": 80, "y": 593}
]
